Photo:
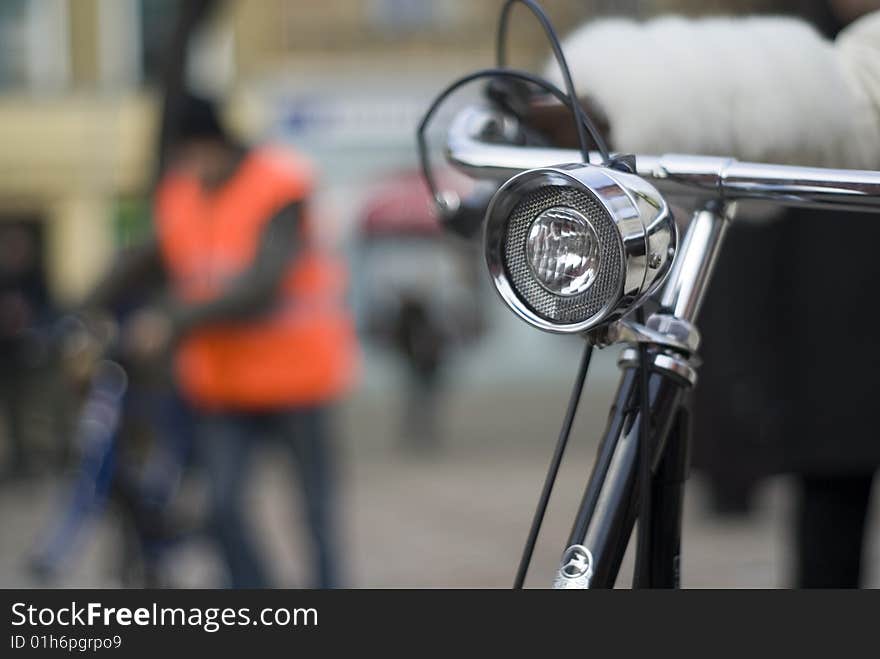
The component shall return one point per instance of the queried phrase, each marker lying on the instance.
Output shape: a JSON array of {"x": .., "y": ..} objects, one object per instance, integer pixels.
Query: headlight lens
[
  {"x": 562, "y": 250},
  {"x": 573, "y": 247}
]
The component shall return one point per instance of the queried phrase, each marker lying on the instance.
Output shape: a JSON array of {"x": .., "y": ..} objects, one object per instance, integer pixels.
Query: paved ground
[
  {"x": 457, "y": 519},
  {"x": 455, "y": 522}
]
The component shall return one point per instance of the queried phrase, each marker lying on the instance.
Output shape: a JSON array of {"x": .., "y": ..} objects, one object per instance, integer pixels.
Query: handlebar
[{"x": 470, "y": 150}]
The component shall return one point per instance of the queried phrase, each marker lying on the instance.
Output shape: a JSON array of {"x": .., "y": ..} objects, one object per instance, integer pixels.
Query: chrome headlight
[{"x": 570, "y": 248}]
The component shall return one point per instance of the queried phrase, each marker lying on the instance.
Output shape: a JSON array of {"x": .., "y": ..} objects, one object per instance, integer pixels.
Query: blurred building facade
[{"x": 78, "y": 101}]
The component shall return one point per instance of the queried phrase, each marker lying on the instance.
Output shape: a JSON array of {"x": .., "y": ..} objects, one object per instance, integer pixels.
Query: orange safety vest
[{"x": 302, "y": 353}]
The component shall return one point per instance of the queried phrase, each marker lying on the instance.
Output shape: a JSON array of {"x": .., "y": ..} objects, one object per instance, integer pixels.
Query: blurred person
[
  {"x": 421, "y": 341},
  {"x": 768, "y": 89},
  {"x": 420, "y": 299},
  {"x": 132, "y": 440},
  {"x": 256, "y": 315},
  {"x": 24, "y": 302}
]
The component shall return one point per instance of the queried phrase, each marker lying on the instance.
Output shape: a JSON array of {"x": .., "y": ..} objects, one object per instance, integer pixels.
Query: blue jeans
[{"x": 226, "y": 442}]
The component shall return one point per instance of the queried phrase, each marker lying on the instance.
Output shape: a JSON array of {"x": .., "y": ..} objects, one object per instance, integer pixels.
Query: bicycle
[
  {"x": 588, "y": 247},
  {"x": 131, "y": 457}
]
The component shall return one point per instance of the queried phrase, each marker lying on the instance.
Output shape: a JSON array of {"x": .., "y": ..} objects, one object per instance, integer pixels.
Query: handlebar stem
[{"x": 685, "y": 287}]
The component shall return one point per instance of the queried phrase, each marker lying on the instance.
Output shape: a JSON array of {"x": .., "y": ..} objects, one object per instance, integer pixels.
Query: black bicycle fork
[{"x": 609, "y": 508}]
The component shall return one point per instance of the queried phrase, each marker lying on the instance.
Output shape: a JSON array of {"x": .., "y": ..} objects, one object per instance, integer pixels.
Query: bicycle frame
[{"x": 608, "y": 510}]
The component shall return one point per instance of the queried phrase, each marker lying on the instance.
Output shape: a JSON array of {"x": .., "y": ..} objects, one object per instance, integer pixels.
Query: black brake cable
[
  {"x": 516, "y": 74},
  {"x": 582, "y": 122},
  {"x": 582, "y": 119},
  {"x": 553, "y": 470},
  {"x": 583, "y": 125}
]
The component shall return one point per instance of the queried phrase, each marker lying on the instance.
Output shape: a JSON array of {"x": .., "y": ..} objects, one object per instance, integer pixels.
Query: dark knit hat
[{"x": 198, "y": 118}]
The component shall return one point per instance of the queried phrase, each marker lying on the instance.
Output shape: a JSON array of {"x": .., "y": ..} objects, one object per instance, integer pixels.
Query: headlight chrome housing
[{"x": 573, "y": 247}]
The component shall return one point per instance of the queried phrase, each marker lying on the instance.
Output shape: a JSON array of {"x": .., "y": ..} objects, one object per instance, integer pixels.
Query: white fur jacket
[{"x": 765, "y": 89}]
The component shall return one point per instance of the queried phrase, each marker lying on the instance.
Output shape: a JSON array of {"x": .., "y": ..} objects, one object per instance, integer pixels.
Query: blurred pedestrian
[
  {"x": 24, "y": 302},
  {"x": 420, "y": 340},
  {"x": 264, "y": 344},
  {"x": 420, "y": 299}
]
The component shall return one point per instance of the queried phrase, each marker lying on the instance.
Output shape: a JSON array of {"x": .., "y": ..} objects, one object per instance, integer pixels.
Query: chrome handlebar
[{"x": 478, "y": 145}]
